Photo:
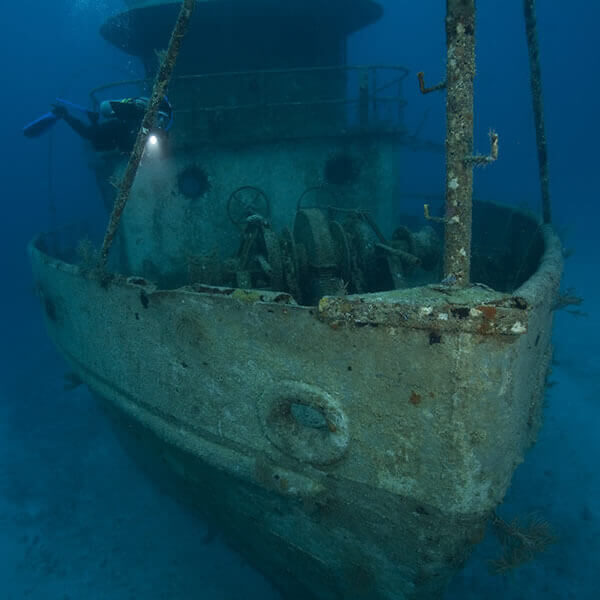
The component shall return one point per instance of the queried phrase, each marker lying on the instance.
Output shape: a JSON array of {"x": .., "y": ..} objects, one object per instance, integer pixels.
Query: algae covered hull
[
  {"x": 353, "y": 449},
  {"x": 268, "y": 333}
]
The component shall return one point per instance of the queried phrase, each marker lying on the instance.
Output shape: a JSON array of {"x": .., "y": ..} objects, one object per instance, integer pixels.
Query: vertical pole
[
  {"x": 373, "y": 71},
  {"x": 163, "y": 77},
  {"x": 538, "y": 105},
  {"x": 51, "y": 196},
  {"x": 401, "y": 103},
  {"x": 460, "y": 72},
  {"x": 363, "y": 98}
]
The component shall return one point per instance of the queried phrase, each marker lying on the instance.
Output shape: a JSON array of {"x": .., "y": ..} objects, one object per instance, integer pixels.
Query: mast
[
  {"x": 163, "y": 77},
  {"x": 535, "y": 71},
  {"x": 460, "y": 72}
]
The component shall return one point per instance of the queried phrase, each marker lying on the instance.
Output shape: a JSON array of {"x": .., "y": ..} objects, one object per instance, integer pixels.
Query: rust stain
[
  {"x": 489, "y": 314},
  {"x": 415, "y": 398}
]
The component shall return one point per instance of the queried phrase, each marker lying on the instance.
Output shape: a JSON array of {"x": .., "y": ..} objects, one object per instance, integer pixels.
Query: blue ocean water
[{"x": 77, "y": 519}]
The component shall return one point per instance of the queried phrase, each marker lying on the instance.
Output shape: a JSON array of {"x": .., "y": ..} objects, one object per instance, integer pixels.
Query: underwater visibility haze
[{"x": 257, "y": 340}]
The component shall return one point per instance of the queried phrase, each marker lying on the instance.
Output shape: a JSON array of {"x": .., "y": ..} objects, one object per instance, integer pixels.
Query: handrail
[
  {"x": 225, "y": 107},
  {"x": 404, "y": 70},
  {"x": 224, "y": 74}
]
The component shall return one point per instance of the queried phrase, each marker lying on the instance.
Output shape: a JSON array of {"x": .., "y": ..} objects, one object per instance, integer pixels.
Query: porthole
[
  {"x": 304, "y": 422},
  {"x": 193, "y": 182}
]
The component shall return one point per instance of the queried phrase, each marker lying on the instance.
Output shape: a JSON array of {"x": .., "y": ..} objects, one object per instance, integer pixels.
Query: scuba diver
[{"x": 113, "y": 127}]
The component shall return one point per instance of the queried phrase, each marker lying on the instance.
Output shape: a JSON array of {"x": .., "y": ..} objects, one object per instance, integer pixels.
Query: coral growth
[{"x": 521, "y": 541}]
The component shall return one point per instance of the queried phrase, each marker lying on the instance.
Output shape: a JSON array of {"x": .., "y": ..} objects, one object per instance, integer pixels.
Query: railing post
[
  {"x": 374, "y": 94},
  {"x": 401, "y": 103},
  {"x": 460, "y": 72},
  {"x": 363, "y": 99}
]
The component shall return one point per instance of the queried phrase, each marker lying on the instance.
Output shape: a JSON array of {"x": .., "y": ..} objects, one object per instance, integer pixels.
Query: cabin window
[{"x": 193, "y": 182}]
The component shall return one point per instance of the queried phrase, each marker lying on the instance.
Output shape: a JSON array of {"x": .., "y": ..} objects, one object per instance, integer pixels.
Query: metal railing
[{"x": 297, "y": 102}]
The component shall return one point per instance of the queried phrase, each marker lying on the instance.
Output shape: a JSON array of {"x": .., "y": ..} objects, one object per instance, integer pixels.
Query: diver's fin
[{"x": 40, "y": 125}]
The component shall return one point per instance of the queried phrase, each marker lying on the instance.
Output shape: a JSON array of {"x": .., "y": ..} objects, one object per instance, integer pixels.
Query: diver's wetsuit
[{"x": 109, "y": 134}]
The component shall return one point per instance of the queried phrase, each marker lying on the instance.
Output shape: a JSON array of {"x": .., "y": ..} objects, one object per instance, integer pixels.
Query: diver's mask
[
  {"x": 164, "y": 117},
  {"x": 159, "y": 134}
]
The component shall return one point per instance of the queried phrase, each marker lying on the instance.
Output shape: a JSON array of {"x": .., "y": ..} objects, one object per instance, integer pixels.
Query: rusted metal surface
[
  {"x": 317, "y": 445},
  {"x": 460, "y": 73},
  {"x": 505, "y": 316},
  {"x": 159, "y": 88}
]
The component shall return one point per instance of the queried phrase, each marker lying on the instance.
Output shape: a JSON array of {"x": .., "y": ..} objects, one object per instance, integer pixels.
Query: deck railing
[{"x": 283, "y": 103}]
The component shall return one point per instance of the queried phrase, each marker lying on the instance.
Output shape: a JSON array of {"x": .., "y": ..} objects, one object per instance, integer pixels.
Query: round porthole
[
  {"x": 305, "y": 422},
  {"x": 341, "y": 169},
  {"x": 193, "y": 182}
]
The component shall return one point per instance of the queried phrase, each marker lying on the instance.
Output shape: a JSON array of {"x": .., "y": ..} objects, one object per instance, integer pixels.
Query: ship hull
[{"x": 350, "y": 450}]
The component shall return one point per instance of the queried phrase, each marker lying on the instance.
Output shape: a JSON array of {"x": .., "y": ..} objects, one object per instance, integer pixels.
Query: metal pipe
[
  {"x": 163, "y": 77},
  {"x": 538, "y": 105},
  {"x": 460, "y": 72}
]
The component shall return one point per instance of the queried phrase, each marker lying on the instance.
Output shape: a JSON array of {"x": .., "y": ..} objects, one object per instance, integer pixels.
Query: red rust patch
[
  {"x": 415, "y": 398},
  {"x": 489, "y": 314}
]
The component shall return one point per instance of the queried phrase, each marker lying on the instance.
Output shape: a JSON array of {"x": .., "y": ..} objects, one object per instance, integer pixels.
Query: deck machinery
[{"x": 275, "y": 342}]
